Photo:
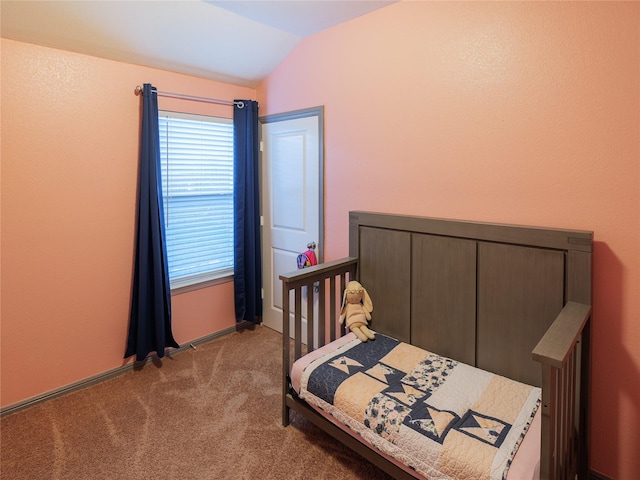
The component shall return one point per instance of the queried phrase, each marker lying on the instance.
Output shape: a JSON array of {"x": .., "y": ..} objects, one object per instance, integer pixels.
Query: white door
[{"x": 291, "y": 200}]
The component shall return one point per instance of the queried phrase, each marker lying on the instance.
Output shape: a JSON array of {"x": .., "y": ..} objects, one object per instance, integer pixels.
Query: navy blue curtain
[
  {"x": 247, "y": 268},
  {"x": 150, "y": 318}
]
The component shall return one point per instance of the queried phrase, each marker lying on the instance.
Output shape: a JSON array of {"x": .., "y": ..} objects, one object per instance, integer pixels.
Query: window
[{"x": 196, "y": 154}]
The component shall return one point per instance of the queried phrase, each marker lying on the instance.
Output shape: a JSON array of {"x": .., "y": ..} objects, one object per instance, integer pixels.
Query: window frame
[{"x": 206, "y": 279}]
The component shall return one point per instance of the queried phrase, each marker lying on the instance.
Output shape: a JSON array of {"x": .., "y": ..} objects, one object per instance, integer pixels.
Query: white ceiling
[{"x": 234, "y": 41}]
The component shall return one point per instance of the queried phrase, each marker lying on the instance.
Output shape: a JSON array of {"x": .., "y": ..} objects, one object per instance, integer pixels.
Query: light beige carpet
[{"x": 210, "y": 413}]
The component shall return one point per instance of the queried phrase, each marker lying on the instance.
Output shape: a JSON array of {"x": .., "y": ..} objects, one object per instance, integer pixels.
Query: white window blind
[{"x": 196, "y": 155}]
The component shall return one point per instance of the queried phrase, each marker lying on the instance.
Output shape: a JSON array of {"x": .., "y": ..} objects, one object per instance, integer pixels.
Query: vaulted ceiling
[{"x": 233, "y": 41}]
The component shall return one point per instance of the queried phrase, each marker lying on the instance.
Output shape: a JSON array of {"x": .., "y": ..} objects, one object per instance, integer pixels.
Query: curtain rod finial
[{"x": 138, "y": 90}]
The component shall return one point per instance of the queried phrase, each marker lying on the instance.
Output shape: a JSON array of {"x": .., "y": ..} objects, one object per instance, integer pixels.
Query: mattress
[{"x": 521, "y": 464}]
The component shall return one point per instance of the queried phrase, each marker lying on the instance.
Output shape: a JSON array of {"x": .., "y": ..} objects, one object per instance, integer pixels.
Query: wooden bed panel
[
  {"x": 578, "y": 279},
  {"x": 520, "y": 293},
  {"x": 384, "y": 270},
  {"x": 577, "y": 240},
  {"x": 443, "y": 297}
]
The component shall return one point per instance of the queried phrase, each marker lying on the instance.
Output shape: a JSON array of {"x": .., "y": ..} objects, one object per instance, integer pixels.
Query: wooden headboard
[{"x": 480, "y": 293}]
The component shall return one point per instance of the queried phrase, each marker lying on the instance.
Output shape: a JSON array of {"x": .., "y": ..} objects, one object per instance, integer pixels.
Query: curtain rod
[{"x": 193, "y": 98}]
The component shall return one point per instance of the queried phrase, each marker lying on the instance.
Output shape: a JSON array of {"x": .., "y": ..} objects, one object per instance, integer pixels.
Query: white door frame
[{"x": 280, "y": 117}]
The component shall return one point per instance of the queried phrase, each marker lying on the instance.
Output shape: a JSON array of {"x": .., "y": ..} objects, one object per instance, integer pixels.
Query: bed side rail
[
  {"x": 325, "y": 282},
  {"x": 564, "y": 354}
]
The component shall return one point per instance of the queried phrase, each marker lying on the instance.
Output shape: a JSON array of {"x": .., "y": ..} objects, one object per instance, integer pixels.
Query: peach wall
[
  {"x": 516, "y": 112},
  {"x": 70, "y": 136}
]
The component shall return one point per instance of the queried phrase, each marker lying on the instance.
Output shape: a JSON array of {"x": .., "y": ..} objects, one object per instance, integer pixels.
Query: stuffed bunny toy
[{"x": 356, "y": 310}]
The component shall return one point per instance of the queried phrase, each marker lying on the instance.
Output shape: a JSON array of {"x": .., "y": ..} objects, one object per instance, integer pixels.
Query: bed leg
[{"x": 285, "y": 414}]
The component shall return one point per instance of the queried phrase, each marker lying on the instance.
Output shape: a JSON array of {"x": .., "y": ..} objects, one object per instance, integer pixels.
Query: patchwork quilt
[{"x": 444, "y": 419}]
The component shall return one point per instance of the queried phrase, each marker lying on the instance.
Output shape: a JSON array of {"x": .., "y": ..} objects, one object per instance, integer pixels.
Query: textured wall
[
  {"x": 70, "y": 136},
  {"x": 516, "y": 112}
]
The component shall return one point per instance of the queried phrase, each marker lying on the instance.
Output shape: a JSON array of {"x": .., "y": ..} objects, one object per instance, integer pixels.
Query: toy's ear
[
  {"x": 366, "y": 301},
  {"x": 344, "y": 300}
]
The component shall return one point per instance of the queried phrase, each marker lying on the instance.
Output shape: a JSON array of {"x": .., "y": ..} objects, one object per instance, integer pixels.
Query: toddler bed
[{"x": 495, "y": 317}]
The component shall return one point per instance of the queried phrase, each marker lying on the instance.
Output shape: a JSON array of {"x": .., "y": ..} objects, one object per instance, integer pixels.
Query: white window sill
[{"x": 201, "y": 281}]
